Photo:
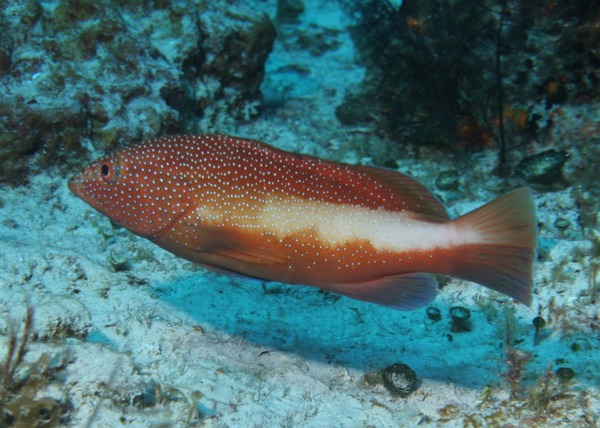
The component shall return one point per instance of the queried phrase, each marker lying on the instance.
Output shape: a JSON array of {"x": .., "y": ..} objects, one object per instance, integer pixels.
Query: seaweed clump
[
  {"x": 22, "y": 403},
  {"x": 420, "y": 58},
  {"x": 470, "y": 74}
]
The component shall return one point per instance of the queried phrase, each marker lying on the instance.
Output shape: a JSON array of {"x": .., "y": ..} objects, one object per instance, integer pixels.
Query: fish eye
[{"x": 107, "y": 171}]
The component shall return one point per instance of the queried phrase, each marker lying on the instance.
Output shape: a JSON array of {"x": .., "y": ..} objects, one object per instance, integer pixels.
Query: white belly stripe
[{"x": 337, "y": 224}]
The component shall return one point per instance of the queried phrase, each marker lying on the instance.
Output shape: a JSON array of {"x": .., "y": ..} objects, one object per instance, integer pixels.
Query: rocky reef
[{"x": 77, "y": 75}]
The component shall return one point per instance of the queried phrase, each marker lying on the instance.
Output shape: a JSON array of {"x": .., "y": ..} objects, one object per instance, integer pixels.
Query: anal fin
[{"x": 405, "y": 292}]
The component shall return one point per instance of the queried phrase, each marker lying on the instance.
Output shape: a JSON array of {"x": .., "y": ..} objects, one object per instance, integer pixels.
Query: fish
[{"x": 242, "y": 207}]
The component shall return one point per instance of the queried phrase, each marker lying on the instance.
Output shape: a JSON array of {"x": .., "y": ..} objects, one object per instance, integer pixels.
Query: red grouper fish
[{"x": 241, "y": 206}]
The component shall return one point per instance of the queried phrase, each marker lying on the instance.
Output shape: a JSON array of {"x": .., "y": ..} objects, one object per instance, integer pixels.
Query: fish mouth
[
  {"x": 78, "y": 184},
  {"x": 75, "y": 186}
]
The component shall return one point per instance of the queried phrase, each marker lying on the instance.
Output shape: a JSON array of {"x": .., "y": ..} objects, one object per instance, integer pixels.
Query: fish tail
[{"x": 500, "y": 247}]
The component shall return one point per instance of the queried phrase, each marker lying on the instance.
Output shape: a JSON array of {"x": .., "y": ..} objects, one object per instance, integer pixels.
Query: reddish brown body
[{"x": 242, "y": 206}]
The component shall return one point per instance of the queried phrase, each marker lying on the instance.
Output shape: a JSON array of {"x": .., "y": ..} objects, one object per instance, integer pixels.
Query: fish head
[{"x": 135, "y": 189}]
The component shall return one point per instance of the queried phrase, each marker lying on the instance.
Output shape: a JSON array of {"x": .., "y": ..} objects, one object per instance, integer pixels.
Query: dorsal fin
[{"x": 415, "y": 196}]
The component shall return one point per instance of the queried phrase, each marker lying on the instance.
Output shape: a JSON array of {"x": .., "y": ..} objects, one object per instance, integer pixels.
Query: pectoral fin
[{"x": 226, "y": 250}]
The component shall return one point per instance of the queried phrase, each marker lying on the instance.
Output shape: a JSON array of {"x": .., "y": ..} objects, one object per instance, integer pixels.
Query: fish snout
[{"x": 74, "y": 186}]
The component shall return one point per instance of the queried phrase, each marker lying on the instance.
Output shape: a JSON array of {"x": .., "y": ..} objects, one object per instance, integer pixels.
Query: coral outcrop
[{"x": 77, "y": 74}]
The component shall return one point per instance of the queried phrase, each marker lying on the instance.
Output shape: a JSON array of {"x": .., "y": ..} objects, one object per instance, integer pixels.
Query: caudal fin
[{"x": 501, "y": 247}]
